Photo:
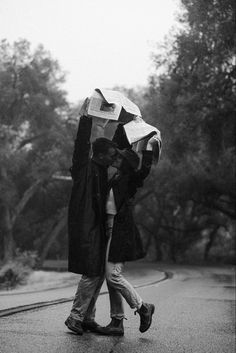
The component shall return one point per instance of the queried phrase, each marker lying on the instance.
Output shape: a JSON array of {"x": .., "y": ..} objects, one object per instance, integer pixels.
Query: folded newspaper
[
  {"x": 137, "y": 130},
  {"x": 112, "y": 105}
]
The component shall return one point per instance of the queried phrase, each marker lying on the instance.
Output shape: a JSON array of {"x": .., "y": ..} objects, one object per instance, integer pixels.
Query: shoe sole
[
  {"x": 152, "y": 312},
  {"x": 111, "y": 334},
  {"x": 105, "y": 332},
  {"x": 91, "y": 330}
]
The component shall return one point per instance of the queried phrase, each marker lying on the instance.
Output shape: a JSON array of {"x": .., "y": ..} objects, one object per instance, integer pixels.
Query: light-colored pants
[{"x": 89, "y": 288}]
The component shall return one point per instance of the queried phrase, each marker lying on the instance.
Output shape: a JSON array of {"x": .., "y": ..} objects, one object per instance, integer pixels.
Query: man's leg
[
  {"x": 91, "y": 310},
  {"x": 83, "y": 309},
  {"x": 87, "y": 289}
]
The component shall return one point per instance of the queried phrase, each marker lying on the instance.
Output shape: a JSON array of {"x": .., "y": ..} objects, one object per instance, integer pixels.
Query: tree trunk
[
  {"x": 148, "y": 243},
  {"x": 24, "y": 200},
  {"x": 165, "y": 252},
  {"x": 53, "y": 235},
  {"x": 173, "y": 252},
  {"x": 9, "y": 244},
  {"x": 158, "y": 248},
  {"x": 210, "y": 242},
  {"x": 9, "y": 220}
]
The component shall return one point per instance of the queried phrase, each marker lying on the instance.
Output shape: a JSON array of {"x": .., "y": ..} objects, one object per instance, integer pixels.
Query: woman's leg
[
  {"x": 119, "y": 287},
  {"x": 119, "y": 284},
  {"x": 116, "y": 301}
]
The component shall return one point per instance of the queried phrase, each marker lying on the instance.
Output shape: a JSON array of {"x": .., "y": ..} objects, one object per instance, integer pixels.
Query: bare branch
[
  {"x": 54, "y": 232},
  {"x": 31, "y": 139},
  {"x": 61, "y": 177},
  {"x": 197, "y": 229},
  {"x": 26, "y": 197}
]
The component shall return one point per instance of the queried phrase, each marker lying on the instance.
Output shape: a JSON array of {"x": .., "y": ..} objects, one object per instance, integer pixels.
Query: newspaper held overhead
[
  {"x": 112, "y": 105},
  {"x": 137, "y": 130},
  {"x": 107, "y": 105}
]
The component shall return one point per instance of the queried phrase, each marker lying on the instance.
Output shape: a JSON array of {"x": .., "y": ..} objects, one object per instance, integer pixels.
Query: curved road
[{"x": 195, "y": 313}]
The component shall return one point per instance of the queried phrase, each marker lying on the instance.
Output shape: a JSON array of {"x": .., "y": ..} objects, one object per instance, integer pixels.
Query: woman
[{"x": 124, "y": 242}]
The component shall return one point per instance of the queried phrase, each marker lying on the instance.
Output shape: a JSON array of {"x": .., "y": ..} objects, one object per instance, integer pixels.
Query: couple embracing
[{"x": 102, "y": 232}]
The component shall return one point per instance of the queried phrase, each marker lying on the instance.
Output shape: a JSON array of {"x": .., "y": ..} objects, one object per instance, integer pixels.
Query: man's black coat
[{"x": 86, "y": 215}]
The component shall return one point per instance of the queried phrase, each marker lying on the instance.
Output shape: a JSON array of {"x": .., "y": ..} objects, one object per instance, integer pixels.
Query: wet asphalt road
[{"x": 195, "y": 313}]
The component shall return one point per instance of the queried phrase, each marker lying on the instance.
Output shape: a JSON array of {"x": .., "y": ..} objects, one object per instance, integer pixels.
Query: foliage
[
  {"x": 193, "y": 104},
  {"x": 32, "y": 115},
  {"x": 16, "y": 271}
]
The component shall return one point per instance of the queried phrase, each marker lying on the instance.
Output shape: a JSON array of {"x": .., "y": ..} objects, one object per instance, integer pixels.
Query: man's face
[{"x": 109, "y": 157}]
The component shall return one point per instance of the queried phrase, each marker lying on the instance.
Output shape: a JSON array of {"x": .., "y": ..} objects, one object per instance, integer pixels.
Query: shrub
[{"x": 15, "y": 272}]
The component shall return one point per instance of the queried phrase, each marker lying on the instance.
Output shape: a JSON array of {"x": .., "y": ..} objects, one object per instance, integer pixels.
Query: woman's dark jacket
[
  {"x": 86, "y": 215},
  {"x": 126, "y": 243}
]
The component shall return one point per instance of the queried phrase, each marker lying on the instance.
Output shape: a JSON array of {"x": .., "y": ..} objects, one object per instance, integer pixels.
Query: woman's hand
[{"x": 152, "y": 142}]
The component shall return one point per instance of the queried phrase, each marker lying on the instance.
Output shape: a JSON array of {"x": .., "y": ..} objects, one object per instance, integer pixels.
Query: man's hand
[{"x": 84, "y": 108}]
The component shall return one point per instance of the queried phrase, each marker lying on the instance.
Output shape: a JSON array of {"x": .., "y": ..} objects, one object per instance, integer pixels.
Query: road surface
[{"x": 195, "y": 313}]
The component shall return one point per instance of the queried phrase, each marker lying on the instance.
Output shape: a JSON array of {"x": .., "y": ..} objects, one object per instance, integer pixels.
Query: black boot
[
  {"x": 115, "y": 328},
  {"x": 146, "y": 311},
  {"x": 74, "y": 325},
  {"x": 91, "y": 326}
]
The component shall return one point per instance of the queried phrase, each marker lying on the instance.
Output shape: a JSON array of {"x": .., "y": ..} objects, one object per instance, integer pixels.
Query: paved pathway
[{"x": 195, "y": 313}]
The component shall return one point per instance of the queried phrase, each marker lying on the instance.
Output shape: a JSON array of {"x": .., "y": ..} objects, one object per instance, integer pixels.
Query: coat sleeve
[
  {"x": 136, "y": 179},
  {"x": 82, "y": 146},
  {"x": 120, "y": 138}
]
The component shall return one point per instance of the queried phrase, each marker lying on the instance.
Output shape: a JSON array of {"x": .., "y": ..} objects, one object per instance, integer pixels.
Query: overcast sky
[{"x": 99, "y": 43}]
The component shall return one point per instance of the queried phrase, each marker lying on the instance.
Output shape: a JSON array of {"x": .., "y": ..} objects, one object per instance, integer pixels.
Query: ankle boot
[
  {"x": 146, "y": 311},
  {"x": 114, "y": 328}
]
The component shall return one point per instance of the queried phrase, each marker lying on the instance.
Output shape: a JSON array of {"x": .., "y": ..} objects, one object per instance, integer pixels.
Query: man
[{"x": 86, "y": 223}]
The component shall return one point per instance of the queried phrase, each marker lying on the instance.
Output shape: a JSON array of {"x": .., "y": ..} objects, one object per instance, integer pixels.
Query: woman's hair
[{"x": 102, "y": 145}]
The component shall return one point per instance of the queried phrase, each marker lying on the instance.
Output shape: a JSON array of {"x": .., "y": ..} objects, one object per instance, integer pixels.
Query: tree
[
  {"x": 198, "y": 96},
  {"x": 193, "y": 105},
  {"x": 31, "y": 114}
]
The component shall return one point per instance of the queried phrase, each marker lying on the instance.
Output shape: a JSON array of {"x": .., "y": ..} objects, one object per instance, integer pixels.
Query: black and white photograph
[{"x": 117, "y": 176}]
